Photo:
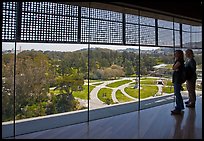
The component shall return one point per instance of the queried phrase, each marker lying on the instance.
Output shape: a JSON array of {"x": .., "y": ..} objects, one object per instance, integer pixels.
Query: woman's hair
[{"x": 180, "y": 54}]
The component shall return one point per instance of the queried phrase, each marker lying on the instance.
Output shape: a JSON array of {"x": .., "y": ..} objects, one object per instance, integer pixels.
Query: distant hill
[{"x": 193, "y": 44}]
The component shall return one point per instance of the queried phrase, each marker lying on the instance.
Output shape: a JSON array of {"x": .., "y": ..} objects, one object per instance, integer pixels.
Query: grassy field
[
  {"x": 145, "y": 91},
  {"x": 91, "y": 81},
  {"x": 145, "y": 78},
  {"x": 96, "y": 84},
  {"x": 151, "y": 81},
  {"x": 121, "y": 97},
  {"x": 56, "y": 91},
  {"x": 119, "y": 83},
  {"x": 184, "y": 87},
  {"x": 169, "y": 66},
  {"x": 104, "y": 94},
  {"x": 168, "y": 89},
  {"x": 80, "y": 94},
  {"x": 84, "y": 93},
  {"x": 168, "y": 82}
]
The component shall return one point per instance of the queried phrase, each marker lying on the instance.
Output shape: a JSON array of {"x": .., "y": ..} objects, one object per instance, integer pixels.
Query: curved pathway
[
  {"x": 123, "y": 91},
  {"x": 94, "y": 101},
  {"x": 121, "y": 88}
]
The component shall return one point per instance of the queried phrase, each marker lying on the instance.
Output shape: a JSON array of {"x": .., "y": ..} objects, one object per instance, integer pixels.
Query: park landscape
[{"x": 51, "y": 82}]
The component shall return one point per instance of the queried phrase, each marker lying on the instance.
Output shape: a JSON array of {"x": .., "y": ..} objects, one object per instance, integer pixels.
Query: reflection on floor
[{"x": 151, "y": 123}]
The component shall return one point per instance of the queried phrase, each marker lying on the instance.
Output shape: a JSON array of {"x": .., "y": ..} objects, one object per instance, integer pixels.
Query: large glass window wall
[{"x": 60, "y": 60}]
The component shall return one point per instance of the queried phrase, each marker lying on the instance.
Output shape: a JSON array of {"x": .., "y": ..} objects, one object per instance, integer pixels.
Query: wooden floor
[{"x": 152, "y": 123}]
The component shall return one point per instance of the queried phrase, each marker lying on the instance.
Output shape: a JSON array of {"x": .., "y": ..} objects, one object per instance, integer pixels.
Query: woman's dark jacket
[{"x": 177, "y": 75}]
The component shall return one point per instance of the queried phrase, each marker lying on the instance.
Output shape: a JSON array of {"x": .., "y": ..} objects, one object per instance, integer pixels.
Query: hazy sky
[{"x": 64, "y": 47}]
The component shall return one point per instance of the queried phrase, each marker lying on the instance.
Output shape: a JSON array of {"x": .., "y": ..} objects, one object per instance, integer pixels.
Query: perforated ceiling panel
[
  {"x": 45, "y": 21},
  {"x": 132, "y": 29},
  {"x": 9, "y": 21},
  {"x": 104, "y": 26}
]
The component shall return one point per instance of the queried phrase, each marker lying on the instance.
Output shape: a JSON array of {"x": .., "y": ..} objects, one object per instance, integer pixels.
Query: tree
[
  {"x": 67, "y": 84},
  {"x": 7, "y": 86},
  {"x": 129, "y": 69},
  {"x": 32, "y": 80}
]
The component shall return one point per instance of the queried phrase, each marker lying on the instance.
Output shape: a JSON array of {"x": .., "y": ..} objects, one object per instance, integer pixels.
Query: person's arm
[
  {"x": 176, "y": 66},
  {"x": 192, "y": 65}
]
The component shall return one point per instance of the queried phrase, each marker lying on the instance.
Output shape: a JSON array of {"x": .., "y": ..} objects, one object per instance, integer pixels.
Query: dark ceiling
[{"x": 188, "y": 9}]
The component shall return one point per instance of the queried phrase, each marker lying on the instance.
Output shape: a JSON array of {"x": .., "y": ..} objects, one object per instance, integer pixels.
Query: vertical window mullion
[
  {"x": 181, "y": 36},
  {"x": 156, "y": 32}
]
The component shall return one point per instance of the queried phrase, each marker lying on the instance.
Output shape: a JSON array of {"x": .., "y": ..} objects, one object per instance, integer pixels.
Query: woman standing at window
[{"x": 177, "y": 80}]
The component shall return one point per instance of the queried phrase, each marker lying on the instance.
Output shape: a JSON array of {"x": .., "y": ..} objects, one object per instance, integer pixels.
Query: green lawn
[
  {"x": 168, "y": 82},
  {"x": 184, "y": 87},
  {"x": 168, "y": 89},
  {"x": 169, "y": 66},
  {"x": 96, "y": 84},
  {"x": 118, "y": 83},
  {"x": 91, "y": 81},
  {"x": 56, "y": 91},
  {"x": 133, "y": 75},
  {"x": 84, "y": 93},
  {"x": 151, "y": 81},
  {"x": 133, "y": 83},
  {"x": 121, "y": 97},
  {"x": 105, "y": 93},
  {"x": 198, "y": 88},
  {"x": 80, "y": 94},
  {"x": 145, "y": 91},
  {"x": 146, "y": 78}
]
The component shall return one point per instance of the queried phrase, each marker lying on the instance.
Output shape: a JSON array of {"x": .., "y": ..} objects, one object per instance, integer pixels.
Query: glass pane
[
  {"x": 186, "y": 27},
  {"x": 196, "y": 28},
  {"x": 156, "y": 76},
  {"x": 186, "y": 39},
  {"x": 197, "y": 40},
  {"x": 176, "y": 26},
  {"x": 196, "y": 36},
  {"x": 177, "y": 38},
  {"x": 113, "y": 80},
  {"x": 50, "y": 79},
  {"x": 8, "y": 50},
  {"x": 198, "y": 59}
]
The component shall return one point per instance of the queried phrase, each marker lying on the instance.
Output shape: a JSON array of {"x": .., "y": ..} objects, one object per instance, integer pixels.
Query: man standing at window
[{"x": 190, "y": 66}]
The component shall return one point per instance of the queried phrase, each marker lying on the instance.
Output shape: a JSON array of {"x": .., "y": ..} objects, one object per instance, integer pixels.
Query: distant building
[{"x": 12, "y": 51}]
